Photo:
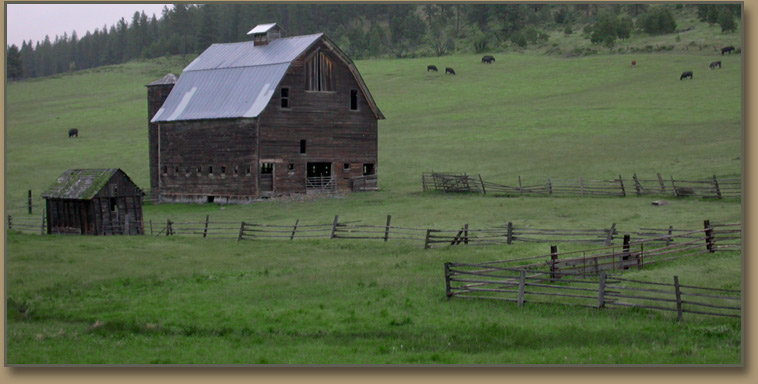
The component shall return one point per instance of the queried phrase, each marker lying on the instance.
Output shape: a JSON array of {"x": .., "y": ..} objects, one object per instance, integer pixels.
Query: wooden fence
[
  {"x": 518, "y": 285},
  {"x": 708, "y": 189}
]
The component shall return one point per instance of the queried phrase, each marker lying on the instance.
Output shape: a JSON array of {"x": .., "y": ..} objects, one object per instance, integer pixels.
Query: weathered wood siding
[
  {"x": 333, "y": 132},
  {"x": 156, "y": 96},
  {"x": 226, "y": 146}
]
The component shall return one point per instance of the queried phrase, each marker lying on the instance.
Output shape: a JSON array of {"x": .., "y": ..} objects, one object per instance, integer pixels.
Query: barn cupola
[{"x": 266, "y": 33}]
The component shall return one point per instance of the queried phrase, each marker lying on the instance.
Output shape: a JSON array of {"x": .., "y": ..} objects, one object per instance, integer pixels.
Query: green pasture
[{"x": 145, "y": 300}]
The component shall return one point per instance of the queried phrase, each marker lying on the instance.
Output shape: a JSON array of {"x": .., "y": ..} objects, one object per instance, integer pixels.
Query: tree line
[{"x": 361, "y": 30}]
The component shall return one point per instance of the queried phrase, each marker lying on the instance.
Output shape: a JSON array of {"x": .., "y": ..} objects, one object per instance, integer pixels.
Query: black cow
[
  {"x": 686, "y": 75},
  {"x": 488, "y": 59},
  {"x": 431, "y": 68},
  {"x": 73, "y": 132},
  {"x": 714, "y": 65},
  {"x": 728, "y": 50},
  {"x": 450, "y": 71}
]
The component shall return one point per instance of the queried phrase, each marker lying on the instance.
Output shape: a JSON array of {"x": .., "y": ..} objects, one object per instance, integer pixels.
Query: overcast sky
[{"x": 34, "y": 21}]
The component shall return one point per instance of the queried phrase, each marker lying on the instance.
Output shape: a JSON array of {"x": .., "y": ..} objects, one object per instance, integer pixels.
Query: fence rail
[{"x": 712, "y": 188}]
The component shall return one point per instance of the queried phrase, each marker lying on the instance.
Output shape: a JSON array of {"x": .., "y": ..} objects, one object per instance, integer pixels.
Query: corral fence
[
  {"x": 521, "y": 286},
  {"x": 570, "y": 275},
  {"x": 714, "y": 188}
]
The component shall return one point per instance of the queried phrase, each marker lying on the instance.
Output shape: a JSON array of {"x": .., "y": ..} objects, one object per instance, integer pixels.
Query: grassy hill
[{"x": 165, "y": 300}]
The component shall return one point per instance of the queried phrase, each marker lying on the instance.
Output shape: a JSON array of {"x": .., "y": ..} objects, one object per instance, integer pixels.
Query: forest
[{"x": 361, "y": 30}]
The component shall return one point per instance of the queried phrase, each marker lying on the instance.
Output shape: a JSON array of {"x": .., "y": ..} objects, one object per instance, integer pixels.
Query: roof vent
[{"x": 266, "y": 33}]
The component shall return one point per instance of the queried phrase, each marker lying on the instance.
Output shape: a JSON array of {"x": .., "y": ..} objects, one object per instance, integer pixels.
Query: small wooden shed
[{"x": 94, "y": 202}]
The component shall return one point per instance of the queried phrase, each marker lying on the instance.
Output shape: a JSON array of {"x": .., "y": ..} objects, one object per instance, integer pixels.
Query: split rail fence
[
  {"x": 570, "y": 275},
  {"x": 708, "y": 189}
]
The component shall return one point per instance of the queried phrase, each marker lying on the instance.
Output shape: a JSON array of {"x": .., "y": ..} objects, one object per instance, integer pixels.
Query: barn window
[
  {"x": 113, "y": 204},
  {"x": 353, "y": 99},
  {"x": 290, "y": 166},
  {"x": 236, "y": 170},
  {"x": 302, "y": 146},
  {"x": 319, "y": 73},
  {"x": 368, "y": 169},
  {"x": 346, "y": 166},
  {"x": 249, "y": 170},
  {"x": 176, "y": 170},
  {"x": 210, "y": 170},
  {"x": 165, "y": 170},
  {"x": 285, "y": 97},
  {"x": 199, "y": 170},
  {"x": 267, "y": 168},
  {"x": 223, "y": 170}
]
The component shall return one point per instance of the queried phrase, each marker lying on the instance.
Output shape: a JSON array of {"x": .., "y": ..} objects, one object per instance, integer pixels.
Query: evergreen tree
[{"x": 14, "y": 64}]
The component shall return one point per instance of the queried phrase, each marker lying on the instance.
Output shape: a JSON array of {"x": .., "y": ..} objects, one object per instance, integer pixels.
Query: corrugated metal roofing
[
  {"x": 170, "y": 78},
  {"x": 80, "y": 184},
  {"x": 232, "y": 80}
]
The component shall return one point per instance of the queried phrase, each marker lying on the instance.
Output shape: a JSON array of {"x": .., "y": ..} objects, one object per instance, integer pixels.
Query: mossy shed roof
[{"x": 81, "y": 184}]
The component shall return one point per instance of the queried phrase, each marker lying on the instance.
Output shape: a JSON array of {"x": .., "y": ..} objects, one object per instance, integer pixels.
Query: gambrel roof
[
  {"x": 81, "y": 184},
  {"x": 237, "y": 80}
]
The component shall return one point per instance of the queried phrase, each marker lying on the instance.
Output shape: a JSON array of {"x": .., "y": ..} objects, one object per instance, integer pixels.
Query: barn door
[{"x": 267, "y": 177}]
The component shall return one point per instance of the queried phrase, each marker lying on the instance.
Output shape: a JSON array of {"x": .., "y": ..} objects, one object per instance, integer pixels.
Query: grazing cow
[
  {"x": 450, "y": 71},
  {"x": 714, "y": 65},
  {"x": 73, "y": 132},
  {"x": 634, "y": 63},
  {"x": 431, "y": 68},
  {"x": 488, "y": 59},
  {"x": 728, "y": 50},
  {"x": 686, "y": 75}
]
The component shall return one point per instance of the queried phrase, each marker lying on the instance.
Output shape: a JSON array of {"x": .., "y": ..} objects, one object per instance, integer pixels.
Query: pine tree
[{"x": 15, "y": 67}]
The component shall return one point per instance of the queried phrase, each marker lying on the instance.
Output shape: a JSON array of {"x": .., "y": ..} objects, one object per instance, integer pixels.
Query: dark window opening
[
  {"x": 165, "y": 170},
  {"x": 285, "y": 97},
  {"x": 302, "y": 146},
  {"x": 223, "y": 170},
  {"x": 113, "y": 204},
  {"x": 290, "y": 167},
  {"x": 319, "y": 169},
  {"x": 249, "y": 170},
  {"x": 210, "y": 198},
  {"x": 199, "y": 170},
  {"x": 176, "y": 170},
  {"x": 210, "y": 169},
  {"x": 368, "y": 169},
  {"x": 236, "y": 170},
  {"x": 353, "y": 100},
  {"x": 267, "y": 168},
  {"x": 346, "y": 166}
]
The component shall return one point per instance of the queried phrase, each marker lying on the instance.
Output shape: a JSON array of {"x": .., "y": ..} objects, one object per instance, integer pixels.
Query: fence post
[
  {"x": 387, "y": 229},
  {"x": 581, "y": 184},
  {"x": 521, "y": 286},
  {"x": 29, "y": 201},
  {"x": 426, "y": 242},
  {"x": 611, "y": 232},
  {"x": 660, "y": 180},
  {"x": 509, "y": 238},
  {"x": 151, "y": 227},
  {"x": 637, "y": 185},
  {"x": 334, "y": 227},
  {"x": 601, "y": 291},
  {"x": 205, "y": 231},
  {"x": 550, "y": 186},
  {"x": 448, "y": 291},
  {"x": 709, "y": 239},
  {"x": 294, "y": 229},
  {"x": 168, "y": 227},
  {"x": 10, "y": 223},
  {"x": 678, "y": 299},
  {"x": 553, "y": 258},
  {"x": 242, "y": 231},
  {"x": 673, "y": 186},
  {"x": 465, "y": 234},
  {"x": 520, "y": 188},
  {"x": 716, "y": 184},
  {"x": 623, "y": 191},
  {"x": 42, "y": 227},
  {"x": 671, "y": 231},
  {"x": 423, "y": 181},
  {"x": 625, "y": 253}
]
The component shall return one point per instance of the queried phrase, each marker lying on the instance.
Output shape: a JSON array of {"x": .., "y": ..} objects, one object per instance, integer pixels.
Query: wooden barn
[
  {"x": 268, "y": 117},
  {"x": 94, "y": 202}
]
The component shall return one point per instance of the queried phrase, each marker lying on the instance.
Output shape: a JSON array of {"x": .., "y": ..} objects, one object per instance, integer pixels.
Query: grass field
[{"x": 148, "y": 300}]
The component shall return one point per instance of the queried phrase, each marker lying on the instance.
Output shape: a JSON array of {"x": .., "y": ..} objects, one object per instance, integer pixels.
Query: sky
[{"x": 33, "y": 21}]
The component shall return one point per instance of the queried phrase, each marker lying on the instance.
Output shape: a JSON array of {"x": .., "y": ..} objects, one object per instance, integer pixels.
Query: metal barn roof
[
  {"x": 232, "y": 80},
  {"x": 81, "y": 184},
  {"x": 170, "y": 78}
]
